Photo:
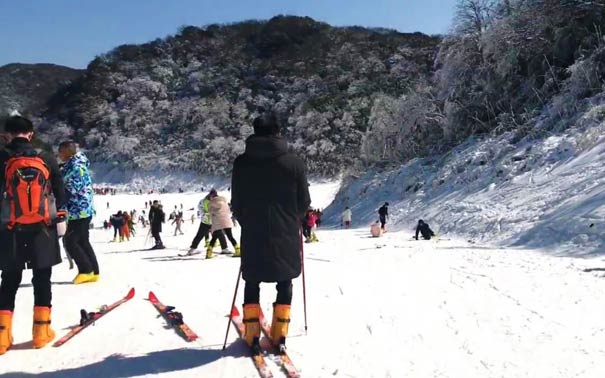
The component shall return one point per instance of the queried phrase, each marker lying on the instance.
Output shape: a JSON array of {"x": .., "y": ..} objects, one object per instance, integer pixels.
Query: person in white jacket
[{"x": 347, "y": 216}]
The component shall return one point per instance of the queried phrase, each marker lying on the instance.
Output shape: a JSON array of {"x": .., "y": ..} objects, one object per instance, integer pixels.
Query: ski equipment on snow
[
  {"x": 174, "y": 318},
  {"x": 283, "y": 360},
  {"x": 88, "y": 318},
  {"x": 257, "y": 358}
]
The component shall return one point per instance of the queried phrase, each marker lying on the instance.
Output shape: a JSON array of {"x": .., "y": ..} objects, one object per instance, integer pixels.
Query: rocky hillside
[
  {"x": 186, "y": 102},
  {"x": 28, "y": 87}
]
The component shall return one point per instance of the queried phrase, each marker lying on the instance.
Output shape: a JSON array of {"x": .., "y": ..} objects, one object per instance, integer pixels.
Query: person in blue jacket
[{"x": 80, "y": 209}]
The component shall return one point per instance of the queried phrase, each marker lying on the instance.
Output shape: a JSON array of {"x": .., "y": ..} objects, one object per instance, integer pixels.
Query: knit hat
[{"x": 266, "y": 124}]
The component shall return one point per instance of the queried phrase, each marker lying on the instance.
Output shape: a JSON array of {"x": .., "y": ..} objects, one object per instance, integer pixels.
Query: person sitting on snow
[
  {"x": 425, "y": 230},
  {"x": 376, "y": 229}
]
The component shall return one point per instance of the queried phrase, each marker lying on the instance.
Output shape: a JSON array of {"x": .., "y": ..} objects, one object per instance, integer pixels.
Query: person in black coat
[
  {"x": 424, "y": 230},
  {"x": 270, "y": 195},
  {"x": 156, "y": 218},
  {"x": 383, "y": 214},
  {"x": 36, "y": 248}
]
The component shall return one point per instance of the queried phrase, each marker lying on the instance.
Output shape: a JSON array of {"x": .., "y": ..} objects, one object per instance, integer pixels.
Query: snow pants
[
  {"x": 11, "y": 279},
  {"x": 77, "y": 244},
  {"x": 202, "y": 233},
  {"x": 284, "y": 292}
]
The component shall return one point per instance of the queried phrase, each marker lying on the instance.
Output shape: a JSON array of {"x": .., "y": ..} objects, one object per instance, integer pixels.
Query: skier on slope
[
  {"x": 270, "y": 195},
  {"x": 221, "y": 224},
  {"x": 203, "y": 210},
  {"x": 178, "y": 222},
  {"x": 117, "y": 221},
  {"x": 80, "y": 210},
  {"x": 383, "y": 215},
  {"x": 424, "y": 229},
  {"x": 126, "y": 219},
  {"x": 38, "y": 247},
  {"x": 347, "y": 217},
  {"x": 156, "y": 218},
  {"x": 310, "y": 223}
]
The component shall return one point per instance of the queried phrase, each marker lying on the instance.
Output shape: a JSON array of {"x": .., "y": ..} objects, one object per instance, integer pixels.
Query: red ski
[
  {"x": 175, "y": 319},
  {"x": 283, "y": 360},
  {"x": 90, "y": 318},
  {"x": 258, "y": 359}
]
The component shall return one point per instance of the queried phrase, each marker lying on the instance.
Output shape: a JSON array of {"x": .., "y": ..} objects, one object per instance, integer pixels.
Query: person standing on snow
[
  {"x": 178, "y": 222},
  {"x": 270, "y": 195},
  {"x": 425, "y": 230},
  {"x": 347, "y": 216},
  {"x": 309, "y": 224},
  {"x": 203, "y": 210},
  {"x": 156, "y": 218},
  {"x": 383, "y": 215},
  {"x": 221, "y": 224},
  {"x": 80, "y": 209},
  {"x": 117, "y": 221},
  {"x": 28, "y": 240}
]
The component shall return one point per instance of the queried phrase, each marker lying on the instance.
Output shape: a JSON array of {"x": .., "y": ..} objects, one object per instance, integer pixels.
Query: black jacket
[
  {"x": 383, "y": 212},
  {"x": 156, "y": 218},
  {"x": 33, "y": 249},
  {"x": 270, "y": 195},
  {"x": 425, "y": 230}
]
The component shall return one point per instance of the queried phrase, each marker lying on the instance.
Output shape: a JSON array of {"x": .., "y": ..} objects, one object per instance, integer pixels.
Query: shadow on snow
[{"x": 120, "y": 366}]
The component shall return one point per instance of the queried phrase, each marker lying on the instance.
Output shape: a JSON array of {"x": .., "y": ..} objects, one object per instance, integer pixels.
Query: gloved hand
[{"x": 61, "y": 228}]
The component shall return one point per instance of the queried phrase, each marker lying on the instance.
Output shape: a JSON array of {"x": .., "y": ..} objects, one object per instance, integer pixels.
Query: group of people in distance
[{"x": 379, "y": 227}]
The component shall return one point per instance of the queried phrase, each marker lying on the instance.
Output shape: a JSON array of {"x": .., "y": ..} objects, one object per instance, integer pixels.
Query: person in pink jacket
[{"x": 222, "y": 223}]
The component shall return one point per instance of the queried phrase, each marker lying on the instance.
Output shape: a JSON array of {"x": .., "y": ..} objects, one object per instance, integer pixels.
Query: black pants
[
  {"x": 306, "y": 230},
  {"x": 202, "y": 233},
  {"x": 221, "y": 238},
  {"x": 284, "y": 292},
  {"x": 156, "y": 235},
  {"x": 383, "y": 221},
  {"x": 117, "y": 231},
  {"x": 11, "y": 279},
  {"x": 77, "y": 243},
  {"x": 229, "y": 235}
]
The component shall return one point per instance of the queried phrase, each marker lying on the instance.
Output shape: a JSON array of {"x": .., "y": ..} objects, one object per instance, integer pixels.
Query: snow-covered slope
[
  {"x": 545, "y": 193},
  {"x": 388, "y": 307}
]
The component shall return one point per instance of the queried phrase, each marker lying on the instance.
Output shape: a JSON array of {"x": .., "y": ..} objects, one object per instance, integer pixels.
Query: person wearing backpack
[
  {"x": 32, "y": 218},
  {"x": 80, "y": 209}
]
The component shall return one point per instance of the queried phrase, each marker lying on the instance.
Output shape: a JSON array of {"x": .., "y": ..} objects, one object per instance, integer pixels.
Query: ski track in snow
[{"x": 388, "y": 307}]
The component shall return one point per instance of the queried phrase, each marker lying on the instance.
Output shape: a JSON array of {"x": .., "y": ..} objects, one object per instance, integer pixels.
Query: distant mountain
[
  {"x": 186, "y": 102},
  {"x": 28, "y": 87}
]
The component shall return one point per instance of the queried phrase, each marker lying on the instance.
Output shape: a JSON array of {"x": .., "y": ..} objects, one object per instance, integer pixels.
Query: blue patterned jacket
[{"x": 78, "y": 185}]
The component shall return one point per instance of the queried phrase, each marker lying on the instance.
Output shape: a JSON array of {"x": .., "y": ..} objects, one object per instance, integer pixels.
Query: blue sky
[{"x": 73, "y": 32}]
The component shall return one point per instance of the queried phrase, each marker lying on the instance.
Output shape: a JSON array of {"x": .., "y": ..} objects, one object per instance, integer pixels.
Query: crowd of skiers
[{"x": 270, "y": 200}]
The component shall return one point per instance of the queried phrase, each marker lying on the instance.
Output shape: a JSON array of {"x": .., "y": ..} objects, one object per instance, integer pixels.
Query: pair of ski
[
  {"x": 282, "y": 359},
  {"x": 175, "y": 319}
]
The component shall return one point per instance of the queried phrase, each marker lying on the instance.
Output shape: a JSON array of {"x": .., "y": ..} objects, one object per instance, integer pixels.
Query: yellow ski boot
[
  {"x": 84, "y": 278},
  {"x": 6, "y": 330},
  {"x": 41, "y": 331}
]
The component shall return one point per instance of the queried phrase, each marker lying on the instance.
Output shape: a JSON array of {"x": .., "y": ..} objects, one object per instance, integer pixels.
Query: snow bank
[{"x": 544, "y": 193}]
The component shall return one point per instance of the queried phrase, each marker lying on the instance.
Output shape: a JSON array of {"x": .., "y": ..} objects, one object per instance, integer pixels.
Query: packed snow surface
[{"x": 377, "y": 307}]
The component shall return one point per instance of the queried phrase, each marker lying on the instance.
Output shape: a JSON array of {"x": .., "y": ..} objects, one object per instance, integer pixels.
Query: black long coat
[
  {"x": 35, "y": 250},
  {"x": 270, "y": 195},
  {"x": 156, "y": 218}
]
